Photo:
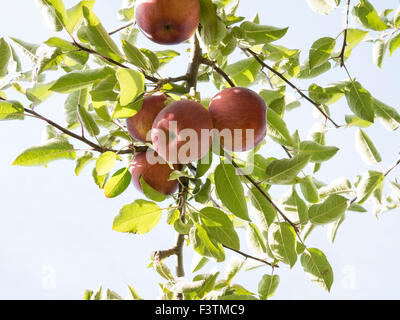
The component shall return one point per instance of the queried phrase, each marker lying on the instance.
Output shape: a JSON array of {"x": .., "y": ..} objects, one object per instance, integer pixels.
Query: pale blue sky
[{"x": 55, "y": 228}]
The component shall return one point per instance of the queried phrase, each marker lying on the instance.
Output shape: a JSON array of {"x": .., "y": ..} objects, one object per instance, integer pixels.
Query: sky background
[{"x": 55, "y": 228}]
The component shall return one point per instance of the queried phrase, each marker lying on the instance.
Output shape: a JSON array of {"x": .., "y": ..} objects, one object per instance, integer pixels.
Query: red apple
[
  {"x": 182, "y": 131},
  {"x": 139, "y": 126},
  {"x": 236, "y": 110},
  {"x": 155, "y": 171},
  {"x": 168, "y": 21}
]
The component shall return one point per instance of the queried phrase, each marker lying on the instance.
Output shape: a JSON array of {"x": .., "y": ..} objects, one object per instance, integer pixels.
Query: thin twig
[
  {"x": 341, "y": 56},
  {"x": 397, "y": 163},
  {"x": 122, "y": 28},
  {"x": 221, "y": 72},
  {"x": 251, "y": 257},
  {"x": 95, "y": 146},
  {"x": 280, "y": 75}
]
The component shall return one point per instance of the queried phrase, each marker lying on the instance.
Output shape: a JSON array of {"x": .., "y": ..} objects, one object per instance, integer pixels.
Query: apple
[
  {"x": 155, "y": 171},
  {"x": 168, "y": 21},
  {"x": 239, "y": 115},
  {"x": 182, "y": 132},
  {"x": 139, "y": 125}
]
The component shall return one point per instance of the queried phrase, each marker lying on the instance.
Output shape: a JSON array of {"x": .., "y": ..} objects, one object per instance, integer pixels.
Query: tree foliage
[{"x": 104, "y": 76}]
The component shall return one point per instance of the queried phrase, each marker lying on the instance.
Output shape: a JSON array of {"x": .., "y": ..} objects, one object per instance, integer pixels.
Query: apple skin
[
  {"x": 156, "y": 175},
  {"x": 139, "y": 125},
  {"x": 182, "y": 132},
  {"x": 168, "y": 21},
  {"x": 239, "y": 108}
]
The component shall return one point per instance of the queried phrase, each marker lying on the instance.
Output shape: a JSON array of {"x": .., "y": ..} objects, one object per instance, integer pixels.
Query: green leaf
[
  {"x": 282, "y": 242},
  {"x": 100, "y": 181},
  {"x": 366, "y": 148},
  {"x": 394, "y": 44},
  {"x": 285, "y": 171},
  {"x": 11, "y": 110},
  {"x": 233, "y": 267},
  {"x": 213, "y": 29},
  {"x": 54, "y": 149},
  {"x": 88, "y": 121},
  {"x": 296, "y": 205},
  {"x": 265, "y": 213},
  {"x": 54, "y": 13},
  {"x": 103, "y": 90},
  {"x": 219, "y": 227},
  {"x": 321, "y": 50},
  {"x": 354, "y": 121},
  {"x": 388, "y": 116},
  {"x": 204, "y": 193},
  {"x": 337, "y": 186},
  {"x": 277, "y": 129},
  {"x": 243, "y": 72},
  {"x": 118, "y": 183},
  {"x": 131, "y": 84},
  {"x": 79, "y": 97},
  {"x": 379, "y": 50},
  {"x": 367, "y": 16},
  {"x": 367, "y": 185},
  {"x": 80, "y": 79},
  {"x": 99, "y": 37},
  {"x": 267, "y": 286},
  {"x": 39, "y": 93},
  {"x": 328, "y": 211},
  {"x": 259, "y": 34},
  {"x": 230, "y": 190},
  {"x": 204, "y": 245},
  {"x": 5, "y": 55},
  {"x": 327, "y": 95},
  {"x": 140, "y": 217},
  {"x": 150, "y": 192},
  {"x": 317, "y": 267},
  {"x": 106, "y": 162},
  {"x": 318, "y": 152},
  {"x": 321, "y": 6},
  {"x": 360, "y": 101},
  {"x": 75, "y": 14},
  {"x": 204, "y": 164},
  {"x": 255, "y": 240},
  {"x": 135, "y": 56},
  {"x": 309, "y": 190},
  {"x": 29, "y": 49},
  {"x": 82, "y": 161}
]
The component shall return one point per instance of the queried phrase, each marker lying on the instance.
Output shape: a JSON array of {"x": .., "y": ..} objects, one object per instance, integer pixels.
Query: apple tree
[{"x": 116, "y": 100}]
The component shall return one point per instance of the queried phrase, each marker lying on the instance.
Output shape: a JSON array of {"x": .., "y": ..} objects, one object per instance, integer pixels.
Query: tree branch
[
  {"x": 122, "y": 28},
  {"x": 252, "y": 257},
  {"x": 341, "y": 56},
  {"x": 214, "y": 65},
  {"x": 95, "y": 146},
  {"x": 397, "y": 163},
  {"x": 315, "y": 104},
  {"x": 193, "y": 67}
]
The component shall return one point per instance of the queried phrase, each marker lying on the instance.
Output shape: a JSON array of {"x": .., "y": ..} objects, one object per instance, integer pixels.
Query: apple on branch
[
  {"x": 182, "y": 132},
  {"x": 239, "y": 115},
  {"x": 139, "y": 125},
  {"x": 168, "y": 21},
  {"x": 154, "y": 171}
]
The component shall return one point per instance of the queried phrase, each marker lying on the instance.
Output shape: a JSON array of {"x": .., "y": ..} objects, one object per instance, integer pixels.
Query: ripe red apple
[
  {"x": 237, "y": 110},
  {"x": 139, "y": 126},
  {"x": 155, "y": 171},
  {"x": 168, "y": 21},
  {"x": 182, "y": 132}
]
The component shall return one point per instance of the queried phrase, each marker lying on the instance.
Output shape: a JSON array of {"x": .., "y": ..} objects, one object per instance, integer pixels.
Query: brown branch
[
  {"x": 193, "y": 67},
  {"x": 397, "y": 163},
  {"x": 252, "y": 257},
  {"x": 95, "y": 146},
  {"x": 217, "y": 69},
  {"x": 122, "y": 28},
  {"x": 341, "y": 56},
  {"x": 280, "y": 75}
]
